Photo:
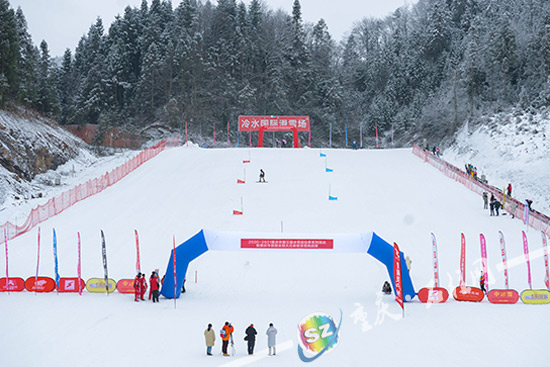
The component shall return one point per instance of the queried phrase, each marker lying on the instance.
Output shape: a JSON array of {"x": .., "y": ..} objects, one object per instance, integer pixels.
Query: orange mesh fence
[
  {"x": 537, "y": 220},
  {"x": 67, "y": 199}
]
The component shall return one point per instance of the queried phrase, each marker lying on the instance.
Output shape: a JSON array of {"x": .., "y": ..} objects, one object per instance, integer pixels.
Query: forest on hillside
[{"x": 421, "y": 72}]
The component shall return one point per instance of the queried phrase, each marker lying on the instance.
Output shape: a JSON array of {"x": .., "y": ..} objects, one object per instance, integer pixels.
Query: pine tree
[{"x": 9, "y": 52}]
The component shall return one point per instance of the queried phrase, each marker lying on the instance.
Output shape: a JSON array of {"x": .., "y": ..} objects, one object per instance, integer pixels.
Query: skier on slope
[
  {"x": 137, "y": 287},
  {"x": 482, "y": 283},
  {"x": 262, "y": 175},
  {"x": 142, "y": 286}
]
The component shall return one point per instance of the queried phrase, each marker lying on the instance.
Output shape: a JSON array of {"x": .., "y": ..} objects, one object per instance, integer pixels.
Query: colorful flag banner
[
  {"x": 104, "y": 253},
  {"x": 483, "y": 244},
  {"x": 346, "y": 126},
  {"x": 56, "y": 265},
  {"x": 526, "y": 251},
  {"x": 397, "y": 275},
  {"x": 462, "y": 260},
  {"x": 376, "y": 127},
  {"x": 228, "y": 141},
  {"x": 37, "y": 258},
  {"x": 79, "y": 267},
  {"x": 545, "y": 247},
  {"x": 175, "y": 275},
  {"x": 6, "y": 246},
  {"x": 435, "y": 262},
  {"x": 186, "y": 136},
  {"x": 138, "y": 263},
  {"x": 504, "y": 260}
]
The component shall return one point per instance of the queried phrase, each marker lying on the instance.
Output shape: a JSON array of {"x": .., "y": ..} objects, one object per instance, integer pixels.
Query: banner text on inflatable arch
[
  {"x": 269, "y": 243},
  {"x": 254, "y": 123}
]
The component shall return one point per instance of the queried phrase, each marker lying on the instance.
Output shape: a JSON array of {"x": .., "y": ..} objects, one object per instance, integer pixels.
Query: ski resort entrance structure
[
  {"x": 208, "y": 240},
  {"x": 275, "y": 123}
]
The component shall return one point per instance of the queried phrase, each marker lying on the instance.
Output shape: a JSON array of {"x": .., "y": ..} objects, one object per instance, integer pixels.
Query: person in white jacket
[{"x": 271, "y": 338}]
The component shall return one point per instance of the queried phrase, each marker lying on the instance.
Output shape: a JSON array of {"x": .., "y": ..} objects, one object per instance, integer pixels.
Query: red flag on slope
[{"x": 397, "y": 275}]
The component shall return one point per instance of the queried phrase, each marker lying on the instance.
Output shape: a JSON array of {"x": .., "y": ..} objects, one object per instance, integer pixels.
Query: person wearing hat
[
  {"x": 210, "y": 339},
  {"x": 142, "y": 286},
  {"x": 250, "y": 338},
  {"x": 271, "y": 339},
  {"x": 154, "y": 289},
  {"x": 225, "y": 334}
]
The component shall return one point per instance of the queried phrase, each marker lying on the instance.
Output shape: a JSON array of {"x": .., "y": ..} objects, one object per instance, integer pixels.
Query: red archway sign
[{"x": 275, "y": 123}]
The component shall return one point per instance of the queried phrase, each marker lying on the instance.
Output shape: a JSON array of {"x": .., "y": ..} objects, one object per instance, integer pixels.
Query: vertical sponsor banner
[
  {"x": 526, "y": 251},
  {"x": 214, "y": 135},
  {"x": 545, "y": 249},
  {"x": 376, "y": 127},
  {"x": 56, "y": 265},
  {"x": 483, "y": 245},
  {"x": 397, "y": 275},
  {"x": 186, "y": 136},
  {"x": 6, "y": 247},
  {"x": 435, "y": 262},
  {"x": 78, "y": 268},
  {"x": 228, "y": 141},
  {"x": 504, "y": 261},
  {"x": 462, "y": 260},
  {"x": 175, "y": 275},
  {"x": 346, "y": 135},
  {"x": 37, "y": 258},
  {"x": 104, "y": 253},
  {"x": 330, "y": 135},
  {"x": 138, "y": 263}
]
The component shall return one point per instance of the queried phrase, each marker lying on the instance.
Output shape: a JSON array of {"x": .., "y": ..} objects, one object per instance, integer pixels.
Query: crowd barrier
[
  {"x": 67, "y": 199},
  {"x": 516, "y": 208}
]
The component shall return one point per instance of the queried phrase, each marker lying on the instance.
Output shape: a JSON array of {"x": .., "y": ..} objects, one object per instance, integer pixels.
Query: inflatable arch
[{"x": 208, "y": 240}]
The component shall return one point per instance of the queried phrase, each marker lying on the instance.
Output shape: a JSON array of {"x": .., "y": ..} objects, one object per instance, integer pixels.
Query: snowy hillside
[
  {"x": 509, "y": 148},
  {"x": 183, "y": 190}
]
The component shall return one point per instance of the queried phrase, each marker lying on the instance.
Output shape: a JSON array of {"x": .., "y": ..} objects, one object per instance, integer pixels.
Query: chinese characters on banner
[
  {"x": 397, "y": 275},
  {"x": 267, "y": 243},
  {"x": 274, "y": 123}
]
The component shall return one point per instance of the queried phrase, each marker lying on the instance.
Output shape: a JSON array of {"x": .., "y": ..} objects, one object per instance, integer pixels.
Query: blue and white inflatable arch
[{"x": 208, "y": 240}]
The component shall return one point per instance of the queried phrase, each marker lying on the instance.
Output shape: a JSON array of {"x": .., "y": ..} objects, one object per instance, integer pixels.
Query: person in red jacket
[
  {"x": 154, "y": 281},
  {"x": 137, "y": 286},
  {"x": 225, "y": 334},
  {"x": 142, "y": 286}
]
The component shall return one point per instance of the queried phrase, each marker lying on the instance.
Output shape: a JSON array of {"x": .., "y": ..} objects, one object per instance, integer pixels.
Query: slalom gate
[
  {"x": 67, "y": 199},
  {"x": 208, "y": 240},
  {"x": 537, "y": 220}
]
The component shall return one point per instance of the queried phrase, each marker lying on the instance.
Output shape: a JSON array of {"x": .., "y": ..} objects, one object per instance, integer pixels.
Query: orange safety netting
[
  {"x": 67, "y": 199},
  {"x": 537, "y": 220}
]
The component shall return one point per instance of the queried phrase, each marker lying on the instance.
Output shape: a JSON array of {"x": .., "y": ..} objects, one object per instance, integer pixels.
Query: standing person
[
  {"x": 225, "y": 334},
  {"x": 485, "y": 199},
  {"x": 262, "y": 175},
  {"x": 354, "y": 145},
  {"x": 509, "y": 190},
  {"x": 137, "y": 286},
  {"x": 154, "y": 290},
  {"x": 210, "y": 339},
  {"x": 492, "y": 204},
  {"x": 271, "y": 333},
  {"x": 498, "y": 205},
  {"x": 482, "y": 283},
  {"x": 142, "y": 286},
  {"x": 386, "y": 288},
  {"x": 408, "y": 261},
  {"x": 250, "y": 338}
]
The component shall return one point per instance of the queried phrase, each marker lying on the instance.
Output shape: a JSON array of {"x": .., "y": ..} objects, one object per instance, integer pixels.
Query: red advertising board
[
  {"x": 70, "y": 285},
  {"x": 40, "y": 284},
  {"x": 506, "y": 296},
  {"x": 273, "y": 123},
  {"x": 468, "y": 294},
  {"x": 433, "y": 295},
  {"x": 16, "y": 285},
  {"x": 279, "y": 243},
  {"x": 125, "y": 286}
]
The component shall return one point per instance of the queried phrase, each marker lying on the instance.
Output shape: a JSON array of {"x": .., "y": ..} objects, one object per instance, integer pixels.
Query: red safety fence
[
  {"x": 537, "y": 220},
  {"x": 67, "y": 199}
]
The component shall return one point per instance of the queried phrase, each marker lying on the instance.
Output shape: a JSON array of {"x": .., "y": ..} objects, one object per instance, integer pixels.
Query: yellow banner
[
  {"x": 97, "y": 285},
  {"x": 535, "y": 296}
]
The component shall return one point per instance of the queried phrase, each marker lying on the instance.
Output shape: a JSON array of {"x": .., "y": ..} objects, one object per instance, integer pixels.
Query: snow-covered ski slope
[{"x": 391, "y": 192}]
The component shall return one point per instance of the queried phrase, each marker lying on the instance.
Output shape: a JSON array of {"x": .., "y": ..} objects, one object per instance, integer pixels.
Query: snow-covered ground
[
  {"x": 391, "y": 192},
  {"x": 512, "y": 148}
]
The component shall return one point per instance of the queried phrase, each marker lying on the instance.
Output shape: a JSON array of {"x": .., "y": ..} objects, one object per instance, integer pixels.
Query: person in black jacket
[
  {"x": 250, "y": 338},
  {"x": 386, "y": 288}
]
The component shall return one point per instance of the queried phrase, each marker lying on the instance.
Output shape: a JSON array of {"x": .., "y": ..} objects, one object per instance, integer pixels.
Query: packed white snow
[{"x": 391, "y": 192}]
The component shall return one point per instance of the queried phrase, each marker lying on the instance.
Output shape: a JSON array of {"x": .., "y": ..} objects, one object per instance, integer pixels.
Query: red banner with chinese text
[
  {"x": 397, "y": 274},
  {"x": 273, "y": 123},
  {"x": 277, "y": 243}
]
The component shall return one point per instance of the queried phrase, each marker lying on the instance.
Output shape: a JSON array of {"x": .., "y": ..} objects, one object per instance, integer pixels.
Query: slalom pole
[
  {"x": 79, "y": 266},
  {"x": 37, "y": 263}
]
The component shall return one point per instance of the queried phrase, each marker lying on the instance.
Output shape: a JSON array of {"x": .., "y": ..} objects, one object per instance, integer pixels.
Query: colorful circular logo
[{"x": 317, "y": 334}]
